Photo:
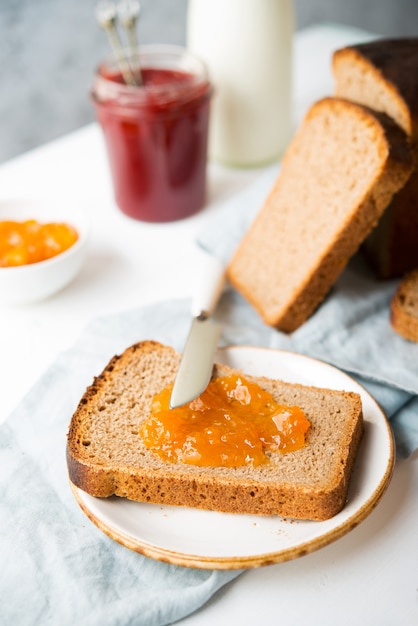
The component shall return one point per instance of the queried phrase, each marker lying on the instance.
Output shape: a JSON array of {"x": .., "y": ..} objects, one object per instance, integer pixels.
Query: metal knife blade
[{"x": 196, "y": 364}]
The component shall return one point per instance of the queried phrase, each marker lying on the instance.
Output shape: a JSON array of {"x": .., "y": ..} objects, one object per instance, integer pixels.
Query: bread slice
[
  {"x": 404, "y": 307},
  {"x": 383, "y": 75},
  {"x": 105, "y": 454},
  {"x": 338, "y": 175}
]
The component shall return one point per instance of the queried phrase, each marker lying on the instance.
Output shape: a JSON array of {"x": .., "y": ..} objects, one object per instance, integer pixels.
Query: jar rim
[{"x": 153, "y": 56}]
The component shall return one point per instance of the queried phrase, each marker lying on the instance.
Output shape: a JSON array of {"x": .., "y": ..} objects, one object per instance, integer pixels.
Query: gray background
[{"x": 49, "y": 48}]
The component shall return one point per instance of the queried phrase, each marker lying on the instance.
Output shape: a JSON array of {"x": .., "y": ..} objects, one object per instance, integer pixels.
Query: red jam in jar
[
  {"x": 234, "y": 422},
  {"x": 156, "y": 133}
]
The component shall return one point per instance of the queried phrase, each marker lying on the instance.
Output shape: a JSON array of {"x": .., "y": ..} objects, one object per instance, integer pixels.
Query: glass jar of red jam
[{"x": 156, "y": 133}]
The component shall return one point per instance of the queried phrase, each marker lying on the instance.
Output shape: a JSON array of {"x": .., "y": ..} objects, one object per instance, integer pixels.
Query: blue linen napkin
[
  {"x": 351, "y": 329},
  {"x": 58, "y": 568}
]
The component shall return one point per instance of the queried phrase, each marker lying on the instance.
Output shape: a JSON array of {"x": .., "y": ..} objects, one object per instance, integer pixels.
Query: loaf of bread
[
  {"x": 106, "y": 456},
  {"x": 404, "y": 307},
  {"x": 383, "y": 75},
  {"x": 338, "y": 175}
]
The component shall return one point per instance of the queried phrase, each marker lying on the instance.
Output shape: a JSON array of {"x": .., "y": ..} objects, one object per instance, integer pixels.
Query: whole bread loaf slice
[
  {"x": 106, "y": 456},
  {"x": 383, "y": 75},
  {"x": 404, "y": 307},
  {"x": 338, "y": 175}
]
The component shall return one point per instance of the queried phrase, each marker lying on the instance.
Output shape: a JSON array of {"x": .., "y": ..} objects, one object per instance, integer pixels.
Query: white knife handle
[{"x": 209, "y": 289}]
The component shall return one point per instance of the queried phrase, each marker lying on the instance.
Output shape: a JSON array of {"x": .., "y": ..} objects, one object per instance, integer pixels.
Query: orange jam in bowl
[
  {"x": 29, "y": 241},
  {"x": 234, "y": 422}
]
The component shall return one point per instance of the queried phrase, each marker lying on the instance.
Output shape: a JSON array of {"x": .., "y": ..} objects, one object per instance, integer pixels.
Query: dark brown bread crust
[
  {"x": 392, "y": 247},
  {"x": 142, "y": 477}
]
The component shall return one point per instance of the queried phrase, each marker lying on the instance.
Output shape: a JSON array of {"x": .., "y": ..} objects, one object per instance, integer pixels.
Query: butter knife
[{"x": 196, "y": 364}]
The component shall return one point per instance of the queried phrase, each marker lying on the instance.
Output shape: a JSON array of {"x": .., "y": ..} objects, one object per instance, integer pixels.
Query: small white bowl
[{"x": 36, "y": 281}]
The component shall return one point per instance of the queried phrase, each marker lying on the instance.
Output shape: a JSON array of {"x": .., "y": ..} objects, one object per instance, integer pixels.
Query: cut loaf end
[
  {"x": 383, "y": 75},
  {"x": 338, "y": 175},
  {"x": 404, "y": 307},
  {"x": 106, "y": 456}
]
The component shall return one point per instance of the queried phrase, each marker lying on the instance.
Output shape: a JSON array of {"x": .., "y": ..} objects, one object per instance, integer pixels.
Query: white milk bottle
[{"x": 247, "y": 46}]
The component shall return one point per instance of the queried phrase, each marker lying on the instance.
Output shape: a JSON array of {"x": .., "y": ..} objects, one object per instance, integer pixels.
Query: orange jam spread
[
  {"x": 234, "y": 422},
  {"x": 23, "y": 243}
]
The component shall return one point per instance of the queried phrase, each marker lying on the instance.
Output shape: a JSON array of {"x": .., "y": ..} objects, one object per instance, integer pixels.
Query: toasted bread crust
[{"x": 124, "y": 467}]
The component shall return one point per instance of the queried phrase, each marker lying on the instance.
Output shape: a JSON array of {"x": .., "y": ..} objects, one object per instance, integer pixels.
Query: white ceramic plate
[{"x": 208, "y": 539}]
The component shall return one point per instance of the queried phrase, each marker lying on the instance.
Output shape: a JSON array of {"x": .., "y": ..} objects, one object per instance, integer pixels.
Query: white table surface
[{"x": 369, "y": 577}]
